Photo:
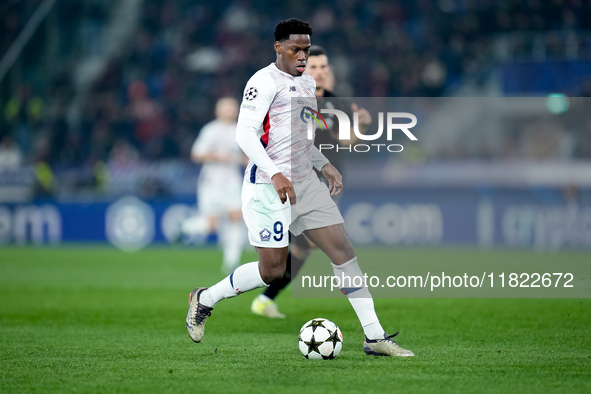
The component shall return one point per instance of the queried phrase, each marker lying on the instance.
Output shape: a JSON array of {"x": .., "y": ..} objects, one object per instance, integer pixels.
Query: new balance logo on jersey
[
  {"x": 308, "y": 113},
  {"x": 265, "y": 235}
]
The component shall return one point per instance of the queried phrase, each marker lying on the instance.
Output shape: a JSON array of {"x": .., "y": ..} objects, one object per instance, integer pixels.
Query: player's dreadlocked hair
[
  {"x": 317, "y": 50},
  {"x": 291, "y": 26}
]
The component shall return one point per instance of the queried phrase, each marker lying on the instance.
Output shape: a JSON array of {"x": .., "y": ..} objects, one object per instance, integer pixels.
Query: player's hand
[
  {"x": 363, "y": 117},
  {"x": 334, "y": 178},
  {"x": 283, "y": 188}
]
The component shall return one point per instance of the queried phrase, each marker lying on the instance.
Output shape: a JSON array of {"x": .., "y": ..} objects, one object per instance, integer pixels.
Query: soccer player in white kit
[
  {"x": 219, "y": 185},
  {"x": 280, "y": 169}
]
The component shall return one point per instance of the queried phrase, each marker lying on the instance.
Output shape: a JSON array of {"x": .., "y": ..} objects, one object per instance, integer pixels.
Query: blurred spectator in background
[
  {"x": 151, "y": 125},
  {"x": 583, "y": 143},
  {"x": 24, "y": 112},
  {"x": 10, "y": 154},
  {"x": 158, "y": 91},
  {"x": 93, "y": 18},
  {"x": 546, "y": 140},
  {"x": 123, "y": 154}
]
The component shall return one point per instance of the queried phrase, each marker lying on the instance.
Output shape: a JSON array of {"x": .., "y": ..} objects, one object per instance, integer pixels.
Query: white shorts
[
  {"x": 216, "y": 200},
  {"x": 268, "y": 220}
]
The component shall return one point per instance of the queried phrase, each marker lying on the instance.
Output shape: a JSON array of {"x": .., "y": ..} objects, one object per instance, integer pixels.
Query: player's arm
[
  {"x": 364, "y": 120},
  {"x": 250, "y": 121},
  {"x": 210, "y": 157},
  {"x": 248, "y": 139},
  {"x": 332, "y": 175}
]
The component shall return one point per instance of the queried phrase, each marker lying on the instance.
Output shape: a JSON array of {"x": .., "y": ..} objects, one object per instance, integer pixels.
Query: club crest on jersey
[
  {"x": 265, "y": 235},
  {"x": 292, "y": 88},
  {"x": 308, "y": 116},
  {"x": 251, "y": 93},
  {"x": 306, "y": 113}
]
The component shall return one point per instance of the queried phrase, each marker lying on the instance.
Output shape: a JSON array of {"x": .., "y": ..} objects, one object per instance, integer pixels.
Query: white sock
[
  {"x": 354, "y": 287},
  {"x": 233, "y": 243},
  {"x": 245, "y": 278},
  {"x": 195, "y": 225}
]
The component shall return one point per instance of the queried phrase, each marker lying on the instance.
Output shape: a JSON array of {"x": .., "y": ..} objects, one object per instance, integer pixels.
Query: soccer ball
[{"x": 320, "y": 339}]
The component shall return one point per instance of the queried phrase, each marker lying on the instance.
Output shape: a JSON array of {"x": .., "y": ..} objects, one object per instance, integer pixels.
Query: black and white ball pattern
[
  {"x": 320, "y": 339},
  {"x": 251, "y": 93}
]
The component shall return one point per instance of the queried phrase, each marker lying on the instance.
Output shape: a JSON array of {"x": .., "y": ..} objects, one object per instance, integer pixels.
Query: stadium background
[{"x": 103, "y": 100}]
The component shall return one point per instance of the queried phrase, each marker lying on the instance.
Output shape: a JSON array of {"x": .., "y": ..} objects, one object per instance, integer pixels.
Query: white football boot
[
  {"x": 197, "y": 315},
  {"x": 385, "y": 347}
]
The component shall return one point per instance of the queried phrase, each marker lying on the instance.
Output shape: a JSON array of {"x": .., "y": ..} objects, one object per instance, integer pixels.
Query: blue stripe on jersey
[
  {"x": 232, "y": 280},
  {"x": 253, "y": 173},
  {"x": 253, "y": 169}
]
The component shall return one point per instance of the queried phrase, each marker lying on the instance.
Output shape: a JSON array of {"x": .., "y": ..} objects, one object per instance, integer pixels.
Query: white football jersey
[
  {"x": 267, "y": 99},
  {"x": 219, "y": 138}
]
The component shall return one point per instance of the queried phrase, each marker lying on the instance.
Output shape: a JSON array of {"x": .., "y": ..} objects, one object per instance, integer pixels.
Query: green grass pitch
[{"x": 96, "y": 320}]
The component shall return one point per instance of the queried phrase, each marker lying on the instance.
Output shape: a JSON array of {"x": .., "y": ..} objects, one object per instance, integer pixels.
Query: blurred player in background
[
  {"x": 319, "y": 68},
  {"x": 219, "y": 185},
  {"x": 280, "y": 170}
]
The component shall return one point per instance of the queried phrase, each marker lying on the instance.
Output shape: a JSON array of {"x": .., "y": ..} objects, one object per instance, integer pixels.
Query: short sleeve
[{"x": 204, "y": 141}]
